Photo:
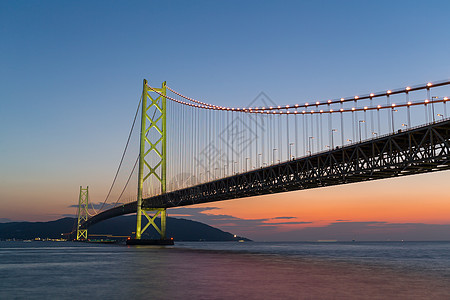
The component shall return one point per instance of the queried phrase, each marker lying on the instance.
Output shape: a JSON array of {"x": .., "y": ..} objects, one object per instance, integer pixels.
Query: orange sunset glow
[
  {"x": 384, "y": 199},
  {"x": 412, "y": 199}
]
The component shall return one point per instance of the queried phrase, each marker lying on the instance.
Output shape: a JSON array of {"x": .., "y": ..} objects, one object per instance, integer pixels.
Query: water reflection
[{"x": 212, "y": 272}]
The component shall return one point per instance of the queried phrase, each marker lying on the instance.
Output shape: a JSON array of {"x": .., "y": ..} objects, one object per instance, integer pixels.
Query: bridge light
[
  {"x": 271, "y": 107},
  {"x": 429, "y": 84},
  {"x": 426, "y": 101},
  {"x": 279, "y": 107},
  {"x": 365, "y": 107},
  {"x": 321, "y": 111},
  {"x": 353, "y": 108},
  {"x": 329, "y": 101},
  {"x": 408, "y": 88},
  {"x": 341, "y": 109},
  {"x": 356, "y": 97},
  {"x": 312, "y": 111},
  {"x": 445, "y": 98},
  {"x": 317, "y": 102},
  {"x": 409, "y": 102},
  {"x": 378, "y": 106},
  {"x": 303, "y": 111},
  {"x": 306, "y": 104},
  {"x": 372, "y": 94},
  {"x": 393, "y": 105},
  {"x": 389, "y": 91},
  {"x": 287, "y": 106},
  {"x": 331, "y": 110},
  {"x": 296, "y": 105},
  {"x": 296, "y": 112},
  {"x": 342, "y": 99}
]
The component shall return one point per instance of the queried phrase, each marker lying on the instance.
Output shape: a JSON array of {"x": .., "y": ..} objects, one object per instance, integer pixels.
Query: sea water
[{"x": 226, "y": 270}]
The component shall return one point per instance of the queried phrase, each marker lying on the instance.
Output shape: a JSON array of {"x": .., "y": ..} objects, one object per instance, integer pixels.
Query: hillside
[{"x": 179, "y": 229}]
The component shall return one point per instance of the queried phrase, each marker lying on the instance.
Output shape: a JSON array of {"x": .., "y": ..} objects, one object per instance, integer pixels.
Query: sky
[{"x": 71, "y": 74}]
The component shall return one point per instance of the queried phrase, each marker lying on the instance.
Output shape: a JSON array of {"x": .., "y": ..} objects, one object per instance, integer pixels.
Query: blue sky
[{"x": 71, "y": 73}]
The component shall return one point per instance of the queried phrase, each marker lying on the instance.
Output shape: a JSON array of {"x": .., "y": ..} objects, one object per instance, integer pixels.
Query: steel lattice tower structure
[
  {"x": 82, "y": 213},
  {"x": 152, "y": 155}
]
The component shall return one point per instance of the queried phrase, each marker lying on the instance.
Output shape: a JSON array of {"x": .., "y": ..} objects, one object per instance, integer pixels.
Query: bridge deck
[{"x": 419, "y": 150}]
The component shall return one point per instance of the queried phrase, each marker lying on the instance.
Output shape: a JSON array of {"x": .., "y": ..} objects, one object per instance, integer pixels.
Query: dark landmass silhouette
[{"x": 116, "y": 228}]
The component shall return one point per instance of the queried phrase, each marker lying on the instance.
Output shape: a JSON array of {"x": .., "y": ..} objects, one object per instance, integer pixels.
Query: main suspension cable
[
  {"x": 128, "y": 180},
  {"x": 123, "y": 155},
  {"x": 406, "y": 90},
  {"x": 277, "y": 109}
]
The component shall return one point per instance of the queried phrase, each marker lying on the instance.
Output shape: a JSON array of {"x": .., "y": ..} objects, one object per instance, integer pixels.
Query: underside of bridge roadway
[{"x": 418, "y": 150}]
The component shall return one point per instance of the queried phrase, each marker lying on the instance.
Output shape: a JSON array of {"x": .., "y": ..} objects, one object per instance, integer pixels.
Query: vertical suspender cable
[
  {"x": 287, "y": 138},
  {"x": 296, "y": 133}
]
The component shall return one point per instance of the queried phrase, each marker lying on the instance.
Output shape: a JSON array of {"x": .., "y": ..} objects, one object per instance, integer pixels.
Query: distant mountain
[
  {"x": 179, "y": 229},
  {"x": 31, "y": 230}
]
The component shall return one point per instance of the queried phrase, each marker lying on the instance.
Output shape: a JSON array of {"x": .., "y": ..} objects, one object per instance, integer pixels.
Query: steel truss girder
[{"x": 419, "y": 150}]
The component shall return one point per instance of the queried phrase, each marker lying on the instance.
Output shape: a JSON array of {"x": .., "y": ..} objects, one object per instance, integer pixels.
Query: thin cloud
[
  {"x": 69, "y": 215},
  {"x": 341, "y": 230},
  {"x": 99, "y": 205},
  {"x": 283, "y": 218},
  {"x": 232, "y": 223},
  {"x": 286, "y": 223},
  {"x": 191, "y": 211}
]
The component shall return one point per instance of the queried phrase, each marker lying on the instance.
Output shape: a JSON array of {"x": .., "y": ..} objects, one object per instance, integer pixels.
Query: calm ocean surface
[{"x": 250, "y": 270}]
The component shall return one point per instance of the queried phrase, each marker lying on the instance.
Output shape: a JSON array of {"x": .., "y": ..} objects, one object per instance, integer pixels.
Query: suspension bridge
[{"x": 193, "y": 152}]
